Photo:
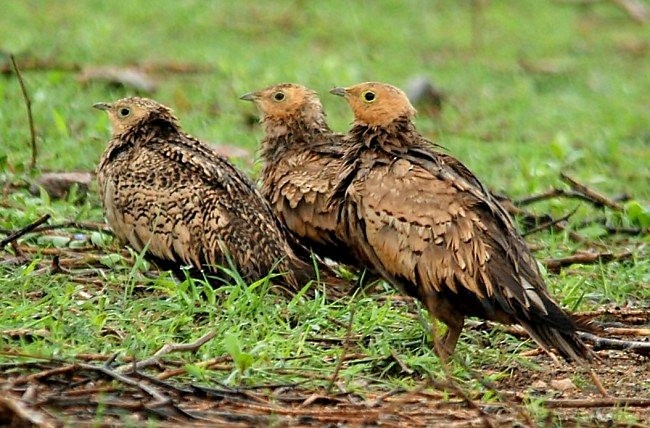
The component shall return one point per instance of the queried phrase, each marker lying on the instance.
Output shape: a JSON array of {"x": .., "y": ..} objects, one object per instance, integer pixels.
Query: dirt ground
[{"x": 91, "y": 392}]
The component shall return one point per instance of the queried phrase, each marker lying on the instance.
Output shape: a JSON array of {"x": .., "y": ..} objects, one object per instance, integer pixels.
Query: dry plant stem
[
  {"x": 575, "y": 237},
  {"x": 627, "y": 331},
  {"x": 167, "y": 349},
  {"x": 555, "y": 265},
  {"x": 27, "y": 416},
  {"x": 159, "y": 398},
  {"x": 30, "y": 117},
  {"x": 17, "y": 234},
  {"x": 550, "y": 223},
  {"x": 217, "y": 363},
  {"x": 399, "y": 361},
  {"x": 44, "y": 374},
  {"x": 638, "y": 347},
  {"x": 94, "y": 227},
  {"x": 598, "y": 383},
  {"x": 598, "y": 402},
  {"x": 642, "y": 315},
  {"x": 595, "y": 197},
  {"x": 550, "y": 194},
  {"x": 339, "y": 363}
]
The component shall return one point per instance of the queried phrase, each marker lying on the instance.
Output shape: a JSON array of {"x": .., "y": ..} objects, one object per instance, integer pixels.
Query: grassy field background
[{"x": 532, "y": 89}]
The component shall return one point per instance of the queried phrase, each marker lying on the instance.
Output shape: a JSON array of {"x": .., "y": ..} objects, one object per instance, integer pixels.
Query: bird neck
[
  {"x": 399, "y": 134},
  {"x": 305, "y": 122},
  {"x": 283, "y": 135}
]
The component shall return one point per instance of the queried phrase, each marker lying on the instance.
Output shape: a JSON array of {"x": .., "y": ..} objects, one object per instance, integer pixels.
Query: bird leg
[
  {"x": 450, "y": 338},
  {"x": 441, "y": 309}
]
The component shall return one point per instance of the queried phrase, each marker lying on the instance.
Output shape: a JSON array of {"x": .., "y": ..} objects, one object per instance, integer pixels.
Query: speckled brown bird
[
  {"x": 429, "y": 227},
  {"x": 168, "y": 194},
  {"x": 302, "y": 157}
]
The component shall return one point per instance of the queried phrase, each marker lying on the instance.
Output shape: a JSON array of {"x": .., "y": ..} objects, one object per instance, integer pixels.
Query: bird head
[
  {"x": 376, "y": 104},
  {"x": 286, "y": 100},
  {"x": 128, "y": 113}
]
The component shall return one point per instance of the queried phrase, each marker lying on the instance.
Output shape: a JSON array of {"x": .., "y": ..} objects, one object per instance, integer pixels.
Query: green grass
[{"x": 516, "y": 129}]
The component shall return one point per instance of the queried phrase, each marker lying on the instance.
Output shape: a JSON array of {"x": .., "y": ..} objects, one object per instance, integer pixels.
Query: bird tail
[{"x": 565, "y": 341}]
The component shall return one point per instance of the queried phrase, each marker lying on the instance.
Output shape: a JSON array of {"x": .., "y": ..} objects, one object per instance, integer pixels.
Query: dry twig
[
  {"x": 598, "y": 402},
  {"x": 17, "y": 234},
  {"x": 550, "y": 194},
  {"x": 597, "y": 198},
  {"x": 346, "y": 344},
  {"x": 30, "y": 117},
  {"x": 168, "y": 348},
  {"x": 555, "y": 265},
  {"x": 598, "y": 342},
  {"x": 550, "y": 223},
  {"x": 16, "y": 413}
]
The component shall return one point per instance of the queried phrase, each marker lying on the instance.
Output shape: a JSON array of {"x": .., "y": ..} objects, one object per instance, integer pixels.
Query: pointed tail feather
[{"x": 567, "y": 343}]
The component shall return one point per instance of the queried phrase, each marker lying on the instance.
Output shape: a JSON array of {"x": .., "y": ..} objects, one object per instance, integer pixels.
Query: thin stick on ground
[
  {"x": 168, "y": 348},
  {"x": 159, "y": 398},
  {"x": 17, "y": 234},
  {"x": 339, "y": 363},
  {"x": 30, "y": 117},
  {"x": 218, "y": 363},
  {"x": 550, "y": 223},
  {"x": 598, "y": 383},
  {"x": 23, "y": 415},
  {"x": 550, "y": 194},
  {"x": 555, "y": 265},
  {"x": 595, "y": 197},
  {"x": 44, "y": 374},
  {"x": 628, "y": 331},
  {"x": 598, "y": 402},
  {"x": 598, "y": 343},
  {"x": 94, "y": 227}
]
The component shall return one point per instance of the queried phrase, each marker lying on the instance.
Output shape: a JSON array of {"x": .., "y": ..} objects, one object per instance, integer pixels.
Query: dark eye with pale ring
[
  {"x": 278, "y": 96},
  {"x": 369, "y": 96},
  {"x": 124, "y": 112}
]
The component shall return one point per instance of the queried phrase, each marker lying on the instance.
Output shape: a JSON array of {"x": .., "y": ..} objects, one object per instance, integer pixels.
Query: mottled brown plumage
[
  {"x": 428, "y": 226},
  {"x": 171, "y": 195},
  {"x": 302, "y": 157}
]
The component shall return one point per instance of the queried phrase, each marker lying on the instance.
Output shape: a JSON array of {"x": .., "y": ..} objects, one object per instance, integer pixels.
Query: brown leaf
[{"x": 563, "y": 385}]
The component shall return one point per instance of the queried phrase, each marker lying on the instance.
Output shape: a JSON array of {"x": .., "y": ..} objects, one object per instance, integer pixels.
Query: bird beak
[
  {"x": 102, "y": 106},
  {"x": 251, "y": 96},
  {"x": 341, "y": 92}
]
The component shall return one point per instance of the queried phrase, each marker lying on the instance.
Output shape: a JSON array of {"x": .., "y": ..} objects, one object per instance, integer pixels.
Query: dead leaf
[{"x": 563, "y": 385}]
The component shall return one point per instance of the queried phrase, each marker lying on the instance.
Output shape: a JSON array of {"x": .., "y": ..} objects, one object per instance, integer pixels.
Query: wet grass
[{"x": 529, "y": 94}]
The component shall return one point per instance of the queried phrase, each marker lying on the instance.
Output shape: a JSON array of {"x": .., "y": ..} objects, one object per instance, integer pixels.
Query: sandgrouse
[
  {"x": 429, "y": 227},
  {"x": 302, "y": 157},
  {"x": 168, "y": 194}
]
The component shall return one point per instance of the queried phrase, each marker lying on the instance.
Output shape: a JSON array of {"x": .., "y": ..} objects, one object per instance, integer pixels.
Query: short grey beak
[
  {"x": 341, "y": 92},
  {"x": 102, "y": 106},
  {"x": 251, "y": 96}
]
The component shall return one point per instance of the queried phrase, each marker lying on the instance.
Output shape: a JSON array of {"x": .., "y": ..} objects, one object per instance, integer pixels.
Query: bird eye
[
  {"x": 278, "y": 96},
  {"x": 368, "y": 96},
  {"x": 124, "y": 112}
]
